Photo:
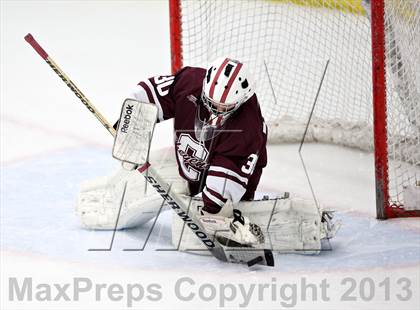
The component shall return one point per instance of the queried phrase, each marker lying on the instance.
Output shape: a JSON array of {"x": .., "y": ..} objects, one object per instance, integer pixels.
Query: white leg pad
[
  {"x": 291, "y": 225},
  {"x": 100, "y": 200}
]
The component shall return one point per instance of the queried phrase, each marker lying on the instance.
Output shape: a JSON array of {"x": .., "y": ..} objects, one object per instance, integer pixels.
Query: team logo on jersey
[
  {"x": 192, "y": 156},
  {"x": 193, "y": 161}
]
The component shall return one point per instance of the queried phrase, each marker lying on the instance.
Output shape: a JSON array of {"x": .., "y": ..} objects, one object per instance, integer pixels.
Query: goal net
[{"x": 287, "y": 44}]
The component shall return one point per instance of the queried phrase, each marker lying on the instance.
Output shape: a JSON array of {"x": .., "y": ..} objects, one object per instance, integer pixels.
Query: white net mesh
[
  {"x": 402, "y": 34},
  {"x": 287, "y": 43}
]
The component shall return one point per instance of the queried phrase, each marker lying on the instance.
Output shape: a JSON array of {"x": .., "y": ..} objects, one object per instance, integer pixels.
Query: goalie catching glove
[{"x": 233, "y": 231}]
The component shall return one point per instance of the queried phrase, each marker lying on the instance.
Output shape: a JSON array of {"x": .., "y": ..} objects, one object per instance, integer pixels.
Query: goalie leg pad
[
  {"x": 100, "y": 200},
  {"x": 101, "y": 203},
  {"x": 291, "y": 225}
]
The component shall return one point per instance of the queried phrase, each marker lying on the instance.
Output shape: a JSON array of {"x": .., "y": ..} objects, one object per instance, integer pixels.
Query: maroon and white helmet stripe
[
  {"x": 219, "y": 71},
  {"x": 229, "y": 85}
]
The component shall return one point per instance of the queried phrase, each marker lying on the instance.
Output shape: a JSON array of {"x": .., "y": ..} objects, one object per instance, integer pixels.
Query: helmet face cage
[
  {"x": 218, "y": 108},
  {"x": 203, "y": 128},
  {"x": 214, "y": 107}
]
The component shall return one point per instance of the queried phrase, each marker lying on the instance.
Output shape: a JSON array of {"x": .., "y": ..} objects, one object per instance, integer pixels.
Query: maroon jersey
[{"x": 228, "y": 166}]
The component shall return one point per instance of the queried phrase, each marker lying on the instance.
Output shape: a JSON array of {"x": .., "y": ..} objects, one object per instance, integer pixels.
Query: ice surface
[
  {"x": 50, "y": 143},
  {"x": 42, "y": 221}
]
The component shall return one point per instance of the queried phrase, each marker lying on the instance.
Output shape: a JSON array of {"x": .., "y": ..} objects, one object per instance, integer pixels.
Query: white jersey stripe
[
  {"x": 226, "y": 187},
  {"x": 229, "y": 172},
  {"x": 157, "y": 102},
  {"x": 139, "y": 94},
  {"x": 213, "y": 198}
]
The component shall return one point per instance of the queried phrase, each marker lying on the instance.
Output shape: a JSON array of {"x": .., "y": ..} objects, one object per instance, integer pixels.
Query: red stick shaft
[{"x": 30, "y": 39}]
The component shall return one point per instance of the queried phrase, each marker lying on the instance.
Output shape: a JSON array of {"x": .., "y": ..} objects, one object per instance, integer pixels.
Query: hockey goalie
[{"x": 220, "y": 153}]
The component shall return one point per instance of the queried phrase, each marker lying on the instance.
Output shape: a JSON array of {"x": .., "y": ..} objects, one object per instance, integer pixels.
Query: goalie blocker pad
[{"x": 135, "y": 131}]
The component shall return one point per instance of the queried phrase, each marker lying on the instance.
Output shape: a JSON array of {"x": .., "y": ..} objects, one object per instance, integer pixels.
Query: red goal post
[
  {"x": 384, "y": 208},
  {"x": 373, "y": 97}
]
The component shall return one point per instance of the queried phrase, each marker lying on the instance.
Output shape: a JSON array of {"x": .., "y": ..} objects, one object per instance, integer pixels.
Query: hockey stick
[
  {"x": 249, "y": 256},
  {"x": 30, "y": 39}
]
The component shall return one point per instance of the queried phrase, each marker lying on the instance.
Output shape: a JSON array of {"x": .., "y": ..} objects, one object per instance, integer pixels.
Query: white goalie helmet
[{"x": 226, "y": 86}]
